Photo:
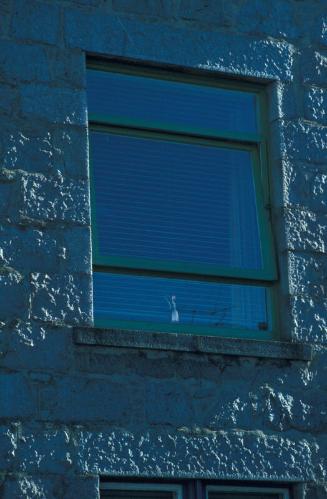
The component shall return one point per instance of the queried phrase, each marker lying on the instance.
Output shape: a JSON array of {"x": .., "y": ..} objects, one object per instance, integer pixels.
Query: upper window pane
[
  {"x": 165, "y": 104},
  {"x": 175, "y": 202}
]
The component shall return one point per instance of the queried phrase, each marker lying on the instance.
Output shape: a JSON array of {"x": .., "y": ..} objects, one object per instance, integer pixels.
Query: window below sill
[{"x": 192, "y": 343}]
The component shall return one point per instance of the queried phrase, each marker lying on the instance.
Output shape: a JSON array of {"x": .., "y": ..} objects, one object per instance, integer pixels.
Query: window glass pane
[
  {"x": 169, "y": 104},
  {"x": 173, "y": 201},
  {"x": 243, "y": 495},
  {"x": 138, "y": 494},
  {"x": 179, "y": 302}
]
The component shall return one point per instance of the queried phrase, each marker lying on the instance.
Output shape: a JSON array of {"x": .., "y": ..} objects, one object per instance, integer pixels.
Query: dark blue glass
[
  {"x": 175, "y": 202},
  {"x": 179, "y": 302},
  {"x": 166, "y": 104}
]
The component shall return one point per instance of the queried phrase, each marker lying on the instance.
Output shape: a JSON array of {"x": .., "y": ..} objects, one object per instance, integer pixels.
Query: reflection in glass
[
  {"x": 166, "y": 104},
  {"x": 172, "y": 201},
  {"x": 179, "y": 301}
]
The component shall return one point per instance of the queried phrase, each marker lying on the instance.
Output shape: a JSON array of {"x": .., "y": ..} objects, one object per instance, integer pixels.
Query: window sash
[
  {"x": 183, "y": 490},
  {"x": 267, "y": 272},
  {"x": 267, "y": 275}
]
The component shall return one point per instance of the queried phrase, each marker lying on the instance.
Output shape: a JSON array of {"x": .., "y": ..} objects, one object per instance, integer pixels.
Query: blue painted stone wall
[{"x": 71, "y": 413}]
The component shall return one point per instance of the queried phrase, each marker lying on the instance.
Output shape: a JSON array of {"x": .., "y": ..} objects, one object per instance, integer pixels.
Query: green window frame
[
  {"x": 255, "y": 143},
  {"x": 189, "y": 489}
]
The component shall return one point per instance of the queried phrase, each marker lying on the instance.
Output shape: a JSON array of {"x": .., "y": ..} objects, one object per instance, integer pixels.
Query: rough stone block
[
  {"x": 30, "y": 62},
  {"x": 198, "y": 49},
  {"x": 27, "y": 486},
  {"x": 309, "y": 317},
  {"x": 71, "y": 146},
  {"x": 18, "y": 397},
  {"x": 66, "y": 66},
  {"x": 34, "y": 149},
  {"x": 29, "y": 150},
  {"x": 146, "y": 7},
  {"x": 77, "y": 243},
  {"x": 50, "y": 487},
  {"x": 224, "y": 455},
  {"x": 315, "y": 102},
  {"x": 314, "y": 67},
  {"x": 8, "y": 446},
  {"x": 46, "y": 250},
  {"x": 45, "y": 450},
  {"x": 55, "y": 199},
  {"x": 298, "y": 140},
  {"x": 211, "y": 13},
  {"x": 34, "y": 20},
  {"x": 61, "y": 298},
  {"x": 77, "y": 399},
  {"x": 14, "y": 296},
  {"x": 305, "y": 185},
  {"x": 54, "y": 105},
  {"x": 305, "y": 230},
  {"x": 9, "y": 100},
  {"x": 313, "y": 490},
  {"x": 283, "y": 101},
  {"x": 34, "y": 346},
  {"x": 308, "y": 273},
  {"x": 10, "y": 195},
  {"x": 255, "y": 17},
  {"x": 31, "y": 250}
]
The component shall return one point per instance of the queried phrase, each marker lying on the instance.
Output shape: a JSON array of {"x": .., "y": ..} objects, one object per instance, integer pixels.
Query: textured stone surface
[
  {"x": 188, "y": 454},
  {"x": 148, "y": 405},
  {"x": 61, "y": 298}
]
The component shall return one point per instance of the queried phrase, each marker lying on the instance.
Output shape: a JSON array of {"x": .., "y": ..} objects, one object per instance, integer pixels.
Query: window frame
[
  {"x": 256, "y": 144},
  {"x": 195, "y": 488}
]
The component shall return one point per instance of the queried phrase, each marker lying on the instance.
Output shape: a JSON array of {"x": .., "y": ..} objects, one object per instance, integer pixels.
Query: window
[
  {"x": 191, "y": 489},
  {"x": 180, "y": 222}
]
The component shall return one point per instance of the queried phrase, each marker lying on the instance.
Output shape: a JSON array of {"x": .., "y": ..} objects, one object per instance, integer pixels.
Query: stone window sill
[{"x": 193, "y": 343}]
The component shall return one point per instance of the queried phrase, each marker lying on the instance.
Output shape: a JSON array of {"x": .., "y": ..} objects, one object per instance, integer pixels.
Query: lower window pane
[{"x": 179, "y": 302}]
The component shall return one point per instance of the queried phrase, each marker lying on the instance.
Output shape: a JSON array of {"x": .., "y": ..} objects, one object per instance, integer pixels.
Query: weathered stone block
[
  {"x": 146, "y": 7},
  {"x": 308, "y": 273},
  {"x": 77, "y": 399},
  {"x": 30, "y": 345},
  {"x": 14, "y": 296},
  {"x": 71, "y": 146},
  {"x": 45, "y": 450},
  {"x": 77, "y": 243},
  {"x": 9, "y": 100},
  {"x": 224, "y": 455},
  {"x": 309, "y": 316},
  {"x": 315, "y": 491},
  {"x": 35, "y": 21},
  {"x": 10, "y": 195},
  {"x": 30, "y": 62},
  {"x": 55, "y": 199},
  {"x": 198, "y": 49},
  {"x": 66, "y": 66},
  {"x": 314, "y": 67},
  {"x": 255, "y": 17},
  {"x": 211, "y": 13},
  {"x": 18, "y": 397},
  {"x": 54, "y": 105},
  {"x": 298, "y": 140},
  {"x": 8, "y": 446},
  {"x": 61, "y": 298},
  {"x": 305, "y": 185},
  {"x": 28, "y": 250},
  {"x": 50, "y": 487},
  {"x": 305, "y": 230},
  {"x": 46, "y": 249},
  {"x": 27, "y": 486},
  {"x": 33, "y": 149},
  {"x": 315, "y": 102},
  {"x": 283, "y": 101}
]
